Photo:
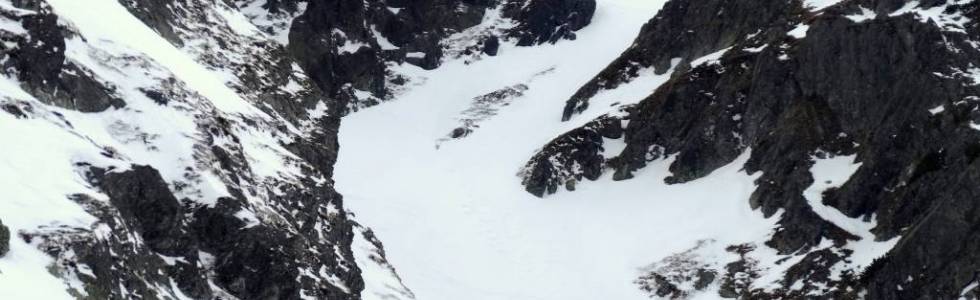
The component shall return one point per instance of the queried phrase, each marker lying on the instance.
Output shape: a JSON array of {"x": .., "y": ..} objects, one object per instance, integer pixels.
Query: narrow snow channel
[{"x": 455, "y": 220}]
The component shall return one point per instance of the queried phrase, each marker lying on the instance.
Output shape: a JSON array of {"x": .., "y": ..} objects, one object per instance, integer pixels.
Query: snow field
[{"x": 456, "y": 222}]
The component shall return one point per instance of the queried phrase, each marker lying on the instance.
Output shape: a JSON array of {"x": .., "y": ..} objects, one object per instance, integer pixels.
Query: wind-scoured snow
[
  {"x": 47, "y": 149},
  {"x": 713, "y": 58},
  {"x": 865, "y": 15},
  {"x": 36, "y": 156},
  {"x": 799, "y": 32},
  {"x": 815, "y": 5},
  {"x": 456, "y": 221},
  {"x": 954, "y": 22},
  {"x": 380, "y": 280},
  {"x": 115, "y": 23},
  {"x": 276, "y": 25},
  {"x": 970, "y": 287},
  {"x": 830, "y": 173}
]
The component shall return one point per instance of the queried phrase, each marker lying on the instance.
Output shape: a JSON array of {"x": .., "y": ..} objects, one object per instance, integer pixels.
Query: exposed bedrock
[{"x": 894, "y": 90}]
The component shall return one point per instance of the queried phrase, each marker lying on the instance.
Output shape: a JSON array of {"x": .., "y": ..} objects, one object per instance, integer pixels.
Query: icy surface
[{"x": 456, "y": 221}]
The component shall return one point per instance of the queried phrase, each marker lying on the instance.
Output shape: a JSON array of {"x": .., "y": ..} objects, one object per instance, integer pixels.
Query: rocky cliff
[
  {"x": 185, "y": 149},
  {"x": 886, "y": 88},
  {"x": 349, "y": 48}
]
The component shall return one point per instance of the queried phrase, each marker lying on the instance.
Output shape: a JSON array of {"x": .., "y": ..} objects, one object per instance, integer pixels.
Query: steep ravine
[
  {"x": 184, "y": 149},
  {"x": 453, "y": 216},
  {"x": 489, "y": 149}
]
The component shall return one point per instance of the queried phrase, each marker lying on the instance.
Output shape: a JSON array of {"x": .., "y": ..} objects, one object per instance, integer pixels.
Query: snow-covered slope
[
  {"x": 452, "y": 212},
  {"x": 842, "y": 107},
  {"x": 185, "y": 149},
  {"x": 736, "y": 149},
  {"x": 501, "y": 149},
  {"x": 139, "y": 164}
]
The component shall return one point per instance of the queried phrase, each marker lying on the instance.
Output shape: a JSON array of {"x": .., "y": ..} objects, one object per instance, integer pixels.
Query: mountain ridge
[{"x": 219, "y": 149}]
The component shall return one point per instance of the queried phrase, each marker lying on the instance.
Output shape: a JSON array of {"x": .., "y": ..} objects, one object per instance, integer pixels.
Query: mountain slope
[
  {"x": 858, "y": 116},
  {"x": 185, "y": 149},
  {"x": 168, "y": 180},
  {"x": 453, "y": 215},
  {"x": 501, "y": 149}
]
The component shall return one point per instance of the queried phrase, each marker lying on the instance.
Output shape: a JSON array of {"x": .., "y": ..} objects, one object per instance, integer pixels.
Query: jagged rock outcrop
[
  {"x": 891, "y": 83},
  {"x": 346, "y": 46},
  {"x": 189, "y": 193},
  {"x": 483, "y": 107},
  {"x": 681, "y": 32},
  {"x": 39, "y": 58},
  {"x": 198, "y": 159},
  {"x": 547, "y": 21},
  {"x": 580, "y": 154},
  {"x": 145, "y": 203},
  {"x": 199, "y": 245},
  {"x": 4, "y": 239}
]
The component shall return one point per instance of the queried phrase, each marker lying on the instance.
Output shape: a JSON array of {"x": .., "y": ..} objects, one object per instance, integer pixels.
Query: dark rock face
[
  {"x": 196, "y": 244},
  {"x": 681, "y": 32},
  {"x": 491, "y": 46},
  {"x": 484, "y": 107},
  {"x": 265, "y": 75},
  {"x": 208, "y": 224},
  {"x": 144, "y": 201},
  {"x": 4, "y": 239},
  {"x": 159, "y": 15},
  {"x": 547, "y": 21},
  {"x": 866, "y": 87},
  {"x": 570, "y": 157},
  {"x": 346, "y": 46},
  {"x": 318, "y": 35},
  {"x": 420, "y": 26},
  {"x": 39, "y": 60},
  {"x": 130, "y": 251},
  {"x": 263, "y": 262},
  {"x": 268, "y": 238}
]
